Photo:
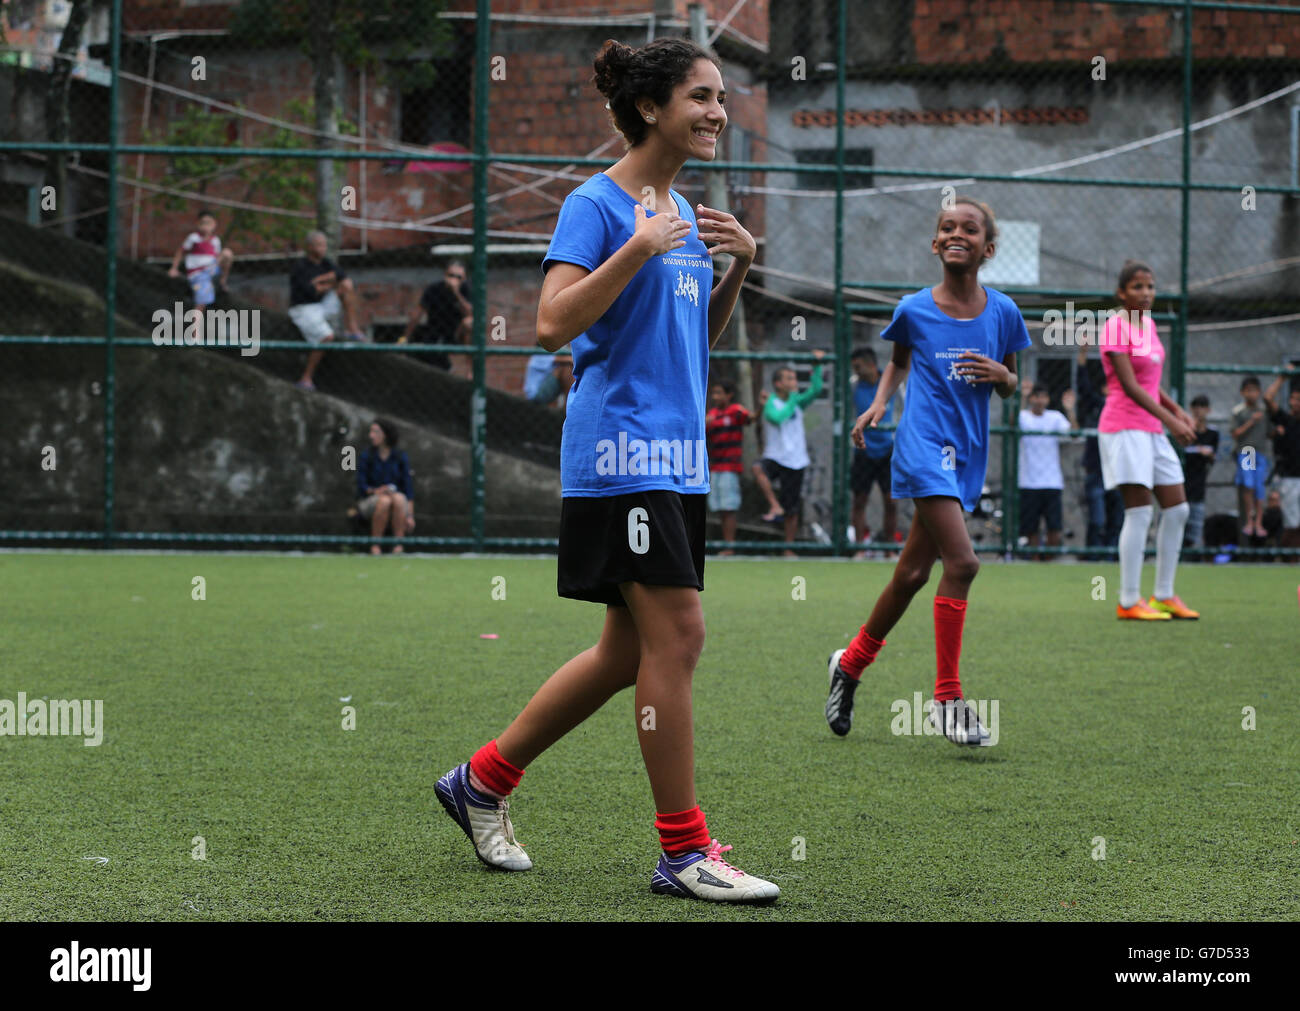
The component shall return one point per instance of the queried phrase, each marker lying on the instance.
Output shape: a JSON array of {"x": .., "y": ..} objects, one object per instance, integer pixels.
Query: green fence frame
[{"x": 480, "y": 349}]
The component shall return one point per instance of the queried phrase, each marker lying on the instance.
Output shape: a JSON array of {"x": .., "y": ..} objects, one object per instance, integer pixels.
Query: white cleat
[
  {"x": 705, "y": 875},
  {"x": 485, "y": 820}
]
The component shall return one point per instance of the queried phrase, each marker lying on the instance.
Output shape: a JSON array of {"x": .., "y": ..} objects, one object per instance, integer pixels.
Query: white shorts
[
  {"x": 1290, "y": 492},
  {"x": 318, "y": 320},
  {"x": 1134, "y": 457}
]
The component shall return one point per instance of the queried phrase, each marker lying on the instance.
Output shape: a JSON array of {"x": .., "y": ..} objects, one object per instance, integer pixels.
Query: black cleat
[{"x": 839, "y": 703}]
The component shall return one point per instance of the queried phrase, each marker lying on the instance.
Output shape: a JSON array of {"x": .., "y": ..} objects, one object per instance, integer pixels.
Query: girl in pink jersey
[{"x": 1135, "y": 453}]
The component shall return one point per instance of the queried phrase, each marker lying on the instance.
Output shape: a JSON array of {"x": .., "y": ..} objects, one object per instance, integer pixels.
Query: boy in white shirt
[
  {"x": 1041, "y": 480},
  {"x": 205, "y": 261}
]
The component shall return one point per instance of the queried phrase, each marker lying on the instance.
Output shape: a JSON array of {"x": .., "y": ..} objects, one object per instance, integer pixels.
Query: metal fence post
[
  {"x": 478, "y": 398},
  {"x": 839, "y": 388},
  {"x": 110, "y": 272}
]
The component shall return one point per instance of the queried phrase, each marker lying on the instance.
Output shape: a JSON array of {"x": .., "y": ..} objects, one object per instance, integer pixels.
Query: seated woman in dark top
[{"x": 385, "y": 492}]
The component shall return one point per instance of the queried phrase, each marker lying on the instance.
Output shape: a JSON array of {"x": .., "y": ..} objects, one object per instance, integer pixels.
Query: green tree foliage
[
  {"x": 285, "y": 184},
  {"x": 394, "y": 34}
]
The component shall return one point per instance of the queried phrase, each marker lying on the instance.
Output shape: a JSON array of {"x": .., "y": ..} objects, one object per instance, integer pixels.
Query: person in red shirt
[{"x": 724, "y": 426}]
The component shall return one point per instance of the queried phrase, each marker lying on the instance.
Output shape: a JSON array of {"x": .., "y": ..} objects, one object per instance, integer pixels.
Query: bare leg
[
  {"x": 379, "y": 520},
  {"x": 765, "y": 486},
  {"x": 728, "y": 529},
  {"x": 348, "y": 297},
  {"x": 575, "y": 691},
  {"x": 224, "y": 261},
  {"x": 397, "y": 518},
  {"x": 891, "y": 516},
  {"x": 791, "y": 525},
  {"x": 910, "y": 574},
  {"x": 859, "y": 515},
  {"x": 670, "y": 623},
  {"x": 946, "y": 523},
  {"x": 313, "y": 359}
]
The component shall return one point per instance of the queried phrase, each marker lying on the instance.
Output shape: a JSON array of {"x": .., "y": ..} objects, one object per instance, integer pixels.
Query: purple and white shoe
[{"x": 484, "y": 820}]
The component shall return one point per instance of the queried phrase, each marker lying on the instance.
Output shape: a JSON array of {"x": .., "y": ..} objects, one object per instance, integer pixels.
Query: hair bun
[{"x": 611, "y": 64}]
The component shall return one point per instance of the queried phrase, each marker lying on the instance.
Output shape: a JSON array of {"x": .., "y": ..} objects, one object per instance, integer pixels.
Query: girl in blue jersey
[
  {"x": 956, "y": 342},
  {"x": 629, "y": 281}
]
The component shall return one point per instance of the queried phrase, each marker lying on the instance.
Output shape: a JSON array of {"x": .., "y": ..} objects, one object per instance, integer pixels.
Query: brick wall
[{"x": 971, "y": 31}]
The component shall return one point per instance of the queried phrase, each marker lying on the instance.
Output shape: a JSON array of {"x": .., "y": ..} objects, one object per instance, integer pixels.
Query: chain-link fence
[{"x": 429, "y": 146}]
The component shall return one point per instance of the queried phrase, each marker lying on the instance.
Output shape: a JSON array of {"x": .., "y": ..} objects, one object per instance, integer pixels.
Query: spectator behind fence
[
  {"x": 871, "y": 465},
  {"x": 1250, "y": 430},
  {"x": 1286, "y": 442},
  {"x": 1040, "y": 478},
  {"x": 1105, "y": 509},
  {"x": 1198, "y": 458},
  {"x": 553, "y": 390},
  {"x": 785, "y": 447},
  {"x": 207, "y": 265},
  {"x": 321, "y": 297},
  {"x": 724, "y": 425},
  {"x": 447, "y": 313},
  {"x": 385, "y": 491}
]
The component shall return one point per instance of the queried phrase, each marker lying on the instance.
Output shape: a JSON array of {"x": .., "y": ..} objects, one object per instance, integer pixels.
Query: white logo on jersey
[
  {"x": 688, "y": 286},
  {"x": 954, "y": 375}
]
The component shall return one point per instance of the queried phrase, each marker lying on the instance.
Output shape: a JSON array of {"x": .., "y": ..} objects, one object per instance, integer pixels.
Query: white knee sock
[
  {"x": 1132, "y": 545},
  {"x": 1169, "y": 545}
]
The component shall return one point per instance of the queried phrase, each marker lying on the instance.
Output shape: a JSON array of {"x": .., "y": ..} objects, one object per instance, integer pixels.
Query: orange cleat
[
  {"x": 1140, "y": 612},
  {"x": 1174, "y": 607}
]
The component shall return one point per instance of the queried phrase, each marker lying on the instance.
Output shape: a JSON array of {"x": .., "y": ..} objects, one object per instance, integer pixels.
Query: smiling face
[
  {"x": 1139, "y": 292},
  {"x": 962, "y": 243},
  {"x": 694, "y": 117}
]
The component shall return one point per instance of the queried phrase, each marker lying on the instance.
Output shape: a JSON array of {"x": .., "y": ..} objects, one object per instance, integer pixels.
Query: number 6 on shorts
[{"x": 638, "y": 531}]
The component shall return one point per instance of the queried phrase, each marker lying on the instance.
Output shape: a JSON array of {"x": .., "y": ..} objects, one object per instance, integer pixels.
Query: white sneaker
[
  {"x": 957, "y": 722},
  {"x": 484, "y": 820},
  {"x": 705, "y": 875}
]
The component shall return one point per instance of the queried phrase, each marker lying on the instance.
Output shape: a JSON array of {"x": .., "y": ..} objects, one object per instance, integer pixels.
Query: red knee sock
[
  {"x": 949, "y": 617},
  {"x": 493, "y": 771},
  {"x": 862, "y": 650},
  {"x": 682, "y": 832}
]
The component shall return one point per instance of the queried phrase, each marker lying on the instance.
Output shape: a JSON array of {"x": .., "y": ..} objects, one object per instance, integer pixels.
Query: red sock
[
  {"x": 949, "y": 616},
  {"x": 862, "y": 650},
  {"x": 682, "y": 832},
  {"x": 493, "y": 771}
]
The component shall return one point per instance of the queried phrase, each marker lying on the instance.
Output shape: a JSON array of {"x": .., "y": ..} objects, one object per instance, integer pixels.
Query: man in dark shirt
[
  {"x": 1286, "y": 443},
  {"x": 320, "y": 297},
  {"x": 1105, "y": 508},
  {"x": 447, "y": 312},
  {"x": 1198, "y": 458}
]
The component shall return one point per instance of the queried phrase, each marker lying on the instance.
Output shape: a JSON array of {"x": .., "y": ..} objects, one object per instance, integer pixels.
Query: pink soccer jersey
[{"x": 1147, "y": 354}]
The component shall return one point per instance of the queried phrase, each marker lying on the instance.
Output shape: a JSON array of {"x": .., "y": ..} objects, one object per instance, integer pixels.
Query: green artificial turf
[{"x": 223, "y": 719}]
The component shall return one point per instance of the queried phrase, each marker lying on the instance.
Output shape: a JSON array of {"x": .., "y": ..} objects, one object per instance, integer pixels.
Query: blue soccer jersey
[
  {"x": 635, "y": 415},
  {"x": 942, "y": 443}
]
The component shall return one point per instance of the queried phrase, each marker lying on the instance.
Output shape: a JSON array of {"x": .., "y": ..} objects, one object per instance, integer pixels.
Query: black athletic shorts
[
  {"x": 788, "y": 484},
  {"x": 650, "y": 537},
  {"x": 869, "y": 470},
  {"x": 1038, "y": 504}
]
